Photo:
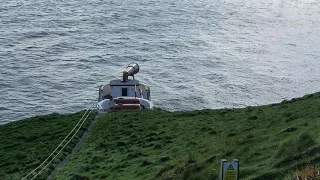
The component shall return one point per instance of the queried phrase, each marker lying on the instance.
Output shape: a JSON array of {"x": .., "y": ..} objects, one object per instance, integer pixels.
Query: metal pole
[{"x": 221, "y": 168}]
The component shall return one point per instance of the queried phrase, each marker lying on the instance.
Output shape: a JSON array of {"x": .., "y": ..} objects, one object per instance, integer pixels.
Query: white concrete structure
[{"x": 125, "y": 93}]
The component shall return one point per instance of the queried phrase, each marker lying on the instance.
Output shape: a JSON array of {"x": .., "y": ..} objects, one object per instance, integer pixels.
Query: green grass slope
[
  {"x": 270, "y": 141},
  {"x": 25, "y": 144}
]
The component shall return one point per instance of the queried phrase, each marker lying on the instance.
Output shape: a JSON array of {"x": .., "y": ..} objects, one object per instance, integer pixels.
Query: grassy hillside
[
  {"x": 271, "y": 142},
  {"x": 25, "y": 144}
]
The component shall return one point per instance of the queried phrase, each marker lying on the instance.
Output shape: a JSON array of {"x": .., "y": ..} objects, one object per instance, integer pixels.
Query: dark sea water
[{"x": 193, "y": 54}]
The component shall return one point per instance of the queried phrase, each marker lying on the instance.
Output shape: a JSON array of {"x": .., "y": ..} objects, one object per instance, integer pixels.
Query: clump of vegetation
[
  {"x": 308, "y": 173},
  {"x": 295, "y": 145}
]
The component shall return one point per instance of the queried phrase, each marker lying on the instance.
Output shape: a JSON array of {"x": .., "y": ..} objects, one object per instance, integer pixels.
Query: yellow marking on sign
[
  {"x": 230, "y": 168},
  {"x": 231, "y": 174}
]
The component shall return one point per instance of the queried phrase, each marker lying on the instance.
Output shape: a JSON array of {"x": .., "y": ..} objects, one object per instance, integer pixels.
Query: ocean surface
[{"x": 194, "y": 54}]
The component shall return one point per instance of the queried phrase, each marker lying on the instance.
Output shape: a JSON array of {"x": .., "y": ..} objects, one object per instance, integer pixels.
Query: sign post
[{"x": 229, "y": 170}]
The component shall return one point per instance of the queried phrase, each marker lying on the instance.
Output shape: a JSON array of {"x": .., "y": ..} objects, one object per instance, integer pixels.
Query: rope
[
  {"x": 62, "y": 147},
  {"x": 82, "y": 120},
  {"x": 57, "y": 146}
]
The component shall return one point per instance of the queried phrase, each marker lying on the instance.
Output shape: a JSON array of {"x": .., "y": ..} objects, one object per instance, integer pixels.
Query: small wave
[
  {"x": 92, "y": 57},
  {"x": 35, "y": 34},
  {"x": 4, "y": 109}
]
